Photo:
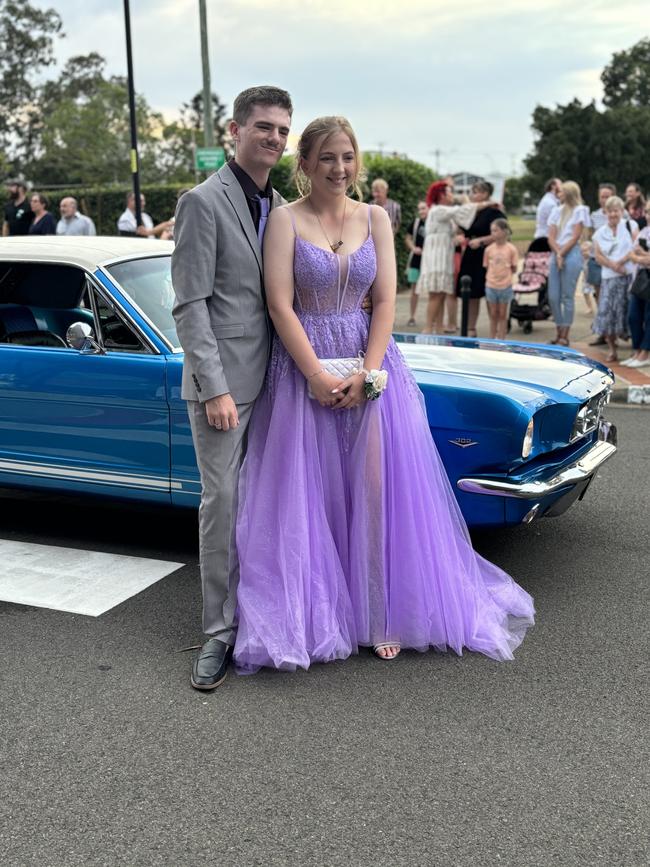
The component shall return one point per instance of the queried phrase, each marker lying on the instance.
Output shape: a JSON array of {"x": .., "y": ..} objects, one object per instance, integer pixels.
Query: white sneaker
[
  {"x": 636, "y": 362},
  {"x": 627, "y": 362}
]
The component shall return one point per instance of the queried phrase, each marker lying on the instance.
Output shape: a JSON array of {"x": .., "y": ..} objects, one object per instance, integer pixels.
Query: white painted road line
[{"x": 69, "y": 579}]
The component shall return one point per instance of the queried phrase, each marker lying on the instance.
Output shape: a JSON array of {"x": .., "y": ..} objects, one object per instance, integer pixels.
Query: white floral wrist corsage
[{"x": 375, "y": 383}]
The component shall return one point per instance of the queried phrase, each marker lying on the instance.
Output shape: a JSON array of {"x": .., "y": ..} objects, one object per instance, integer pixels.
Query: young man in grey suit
[{"x": 224, "y": 330}]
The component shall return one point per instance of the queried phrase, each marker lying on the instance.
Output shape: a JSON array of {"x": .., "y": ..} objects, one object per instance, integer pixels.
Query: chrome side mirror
[{"x": 80, "y": 336}]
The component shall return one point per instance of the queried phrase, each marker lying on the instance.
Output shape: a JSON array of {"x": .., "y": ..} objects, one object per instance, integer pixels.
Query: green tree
[
  {"x": 515, "y": 193},
  {"x": 192, "y": 118},
  {"x": 580, "y": 143},
  {"x": 26, "y": 47},
  {"x": 80, "y": 134},
  {"x": 408, "y": 182},
  {"x": 626, "y": 78}
]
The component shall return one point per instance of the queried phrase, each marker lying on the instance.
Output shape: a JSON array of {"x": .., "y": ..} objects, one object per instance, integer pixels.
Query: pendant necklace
[{"x": 337, "y": 244}]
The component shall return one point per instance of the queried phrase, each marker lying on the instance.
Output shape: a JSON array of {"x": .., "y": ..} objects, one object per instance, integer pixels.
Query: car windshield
[{"x": 148, "y": 284}]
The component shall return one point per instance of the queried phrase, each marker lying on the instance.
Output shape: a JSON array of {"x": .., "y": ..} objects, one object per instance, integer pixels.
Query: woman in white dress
[{"x": 437, "y": 266}]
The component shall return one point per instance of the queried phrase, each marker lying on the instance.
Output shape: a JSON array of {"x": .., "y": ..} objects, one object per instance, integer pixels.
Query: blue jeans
[
  {"x": 562, "y": 286},
  {"x": 638, "y": 316}
]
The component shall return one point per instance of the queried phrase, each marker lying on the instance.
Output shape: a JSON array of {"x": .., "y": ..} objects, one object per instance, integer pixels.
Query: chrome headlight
[
  {"x": 527, "y": 446},
  {"x": 589, "y": 415}
]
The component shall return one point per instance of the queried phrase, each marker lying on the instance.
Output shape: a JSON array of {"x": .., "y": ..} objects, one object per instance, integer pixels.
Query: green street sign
[{"x": 209, "y": 159}]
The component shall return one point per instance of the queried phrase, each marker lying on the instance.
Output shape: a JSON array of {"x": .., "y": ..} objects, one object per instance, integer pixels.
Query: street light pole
[
  {"x": 134, "y": 130},
  {"x": 208, "y": 127}
]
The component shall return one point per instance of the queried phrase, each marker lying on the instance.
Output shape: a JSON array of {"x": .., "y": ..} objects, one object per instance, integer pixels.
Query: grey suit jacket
[{"x": 220, "y": 309}]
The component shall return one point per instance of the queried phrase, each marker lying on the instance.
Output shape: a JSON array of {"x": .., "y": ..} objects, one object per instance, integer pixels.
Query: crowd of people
[
  {"x": 607, "y": 248},
  {"x": 30, "y": 215},
  {"x": 455, "y": 237}
]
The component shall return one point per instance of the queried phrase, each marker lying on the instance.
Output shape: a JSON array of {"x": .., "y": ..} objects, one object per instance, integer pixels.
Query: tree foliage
[
  {"x": 26, "y": 47},
  {"x": 80, "y": 134},
  {"x": 626, "y": 79},
  {"x": 588, "y": 145},
  {"x": 581, "y": 143}
]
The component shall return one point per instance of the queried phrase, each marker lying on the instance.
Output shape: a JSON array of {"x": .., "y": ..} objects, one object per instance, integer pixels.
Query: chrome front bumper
[{"x": 574, "y": 474}]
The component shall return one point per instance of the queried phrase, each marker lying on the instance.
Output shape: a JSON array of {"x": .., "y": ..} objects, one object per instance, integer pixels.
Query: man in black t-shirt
[{"x": 18, "y": 215}]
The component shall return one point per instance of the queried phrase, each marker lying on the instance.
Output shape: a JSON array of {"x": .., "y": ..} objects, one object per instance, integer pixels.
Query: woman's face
[
  {"x": 35, "y": 204},
  {"x": 333, "y": 168},
  {"x": 614, "y": 216},
  {"x": 447, "y": 196},
  {"x": 631, "y": 193},
  {"x": 561, "y": 195},
  {"x": 479, "y": 195}
]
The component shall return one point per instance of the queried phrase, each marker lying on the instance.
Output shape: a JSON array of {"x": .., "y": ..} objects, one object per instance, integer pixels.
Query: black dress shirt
[{"x": 251, "y": 191}]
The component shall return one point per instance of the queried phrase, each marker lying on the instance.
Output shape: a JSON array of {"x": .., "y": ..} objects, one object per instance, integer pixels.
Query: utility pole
[
  {"x": 134, "y": 130},
  {"x": 208, "y": 127}
]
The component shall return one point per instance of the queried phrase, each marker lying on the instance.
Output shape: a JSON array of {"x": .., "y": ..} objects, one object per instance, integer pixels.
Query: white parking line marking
[{"x": 78, "y": 581}]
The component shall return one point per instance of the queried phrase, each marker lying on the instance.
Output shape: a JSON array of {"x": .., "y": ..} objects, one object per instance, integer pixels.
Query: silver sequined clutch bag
[{"x": 341, "y": 367}]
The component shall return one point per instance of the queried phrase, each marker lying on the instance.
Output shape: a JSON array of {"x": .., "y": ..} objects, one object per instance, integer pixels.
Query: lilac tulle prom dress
[{"x": 348, "y": 531}]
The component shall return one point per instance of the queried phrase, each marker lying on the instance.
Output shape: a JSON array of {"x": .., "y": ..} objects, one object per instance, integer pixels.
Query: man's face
[
  {"x": 423, "y": 210},
  {"x": 379, "y": 194},
  {"x": 604, "y": 194},
  {"x": 131, "y": 202},
  {"x": 261, "y": 141},
  {"x": 14, "y": 191},
  {"x": 556, "y": 186},
  {"x": 68, "y": 207}
]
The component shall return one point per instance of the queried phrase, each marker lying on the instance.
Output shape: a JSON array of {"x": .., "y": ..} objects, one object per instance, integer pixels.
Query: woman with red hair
[{"x": 437, "y": 266}]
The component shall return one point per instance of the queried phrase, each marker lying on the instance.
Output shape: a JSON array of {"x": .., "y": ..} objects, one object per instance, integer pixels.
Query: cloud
[{"x": 416, "y": 76}]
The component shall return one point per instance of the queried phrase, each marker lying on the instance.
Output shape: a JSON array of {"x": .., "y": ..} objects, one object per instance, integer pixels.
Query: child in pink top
[{"x": 500, "y": 259}]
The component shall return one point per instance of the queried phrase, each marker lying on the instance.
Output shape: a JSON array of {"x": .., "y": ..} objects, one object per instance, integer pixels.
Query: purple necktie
[{"x": 264, "y": 215}]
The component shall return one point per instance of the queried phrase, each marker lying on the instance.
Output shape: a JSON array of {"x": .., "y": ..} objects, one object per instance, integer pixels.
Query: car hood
[{"x": 542, "y": 367}]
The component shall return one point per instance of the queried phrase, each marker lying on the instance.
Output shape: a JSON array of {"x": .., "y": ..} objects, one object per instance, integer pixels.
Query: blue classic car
[{"x": 90, "y": 391}]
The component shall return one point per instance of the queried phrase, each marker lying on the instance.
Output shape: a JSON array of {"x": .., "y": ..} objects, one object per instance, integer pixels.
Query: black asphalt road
[{"x": 108, "y": 757}]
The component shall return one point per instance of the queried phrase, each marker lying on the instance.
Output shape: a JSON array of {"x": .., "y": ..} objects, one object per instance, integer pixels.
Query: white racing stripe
[{"x": 78, "y": 581}]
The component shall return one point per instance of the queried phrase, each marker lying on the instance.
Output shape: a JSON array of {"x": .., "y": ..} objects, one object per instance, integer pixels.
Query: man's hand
[
  {"x": 474, "y": 244},
  {"x": 221, "y": 412}
]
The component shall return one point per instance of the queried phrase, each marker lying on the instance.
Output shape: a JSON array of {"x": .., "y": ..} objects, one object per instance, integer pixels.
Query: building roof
[{"x": 86, "y": 252}]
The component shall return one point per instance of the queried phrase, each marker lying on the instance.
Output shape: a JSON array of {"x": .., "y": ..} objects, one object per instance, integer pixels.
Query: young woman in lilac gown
[{"x": 348, "y": 531}]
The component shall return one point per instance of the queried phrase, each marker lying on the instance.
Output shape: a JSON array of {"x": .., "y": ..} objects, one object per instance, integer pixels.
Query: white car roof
[{"x": 86, "y": 252}]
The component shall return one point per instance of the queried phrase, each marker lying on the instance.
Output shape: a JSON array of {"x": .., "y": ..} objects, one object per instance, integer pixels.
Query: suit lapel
[{"x": 237, "y": 199}]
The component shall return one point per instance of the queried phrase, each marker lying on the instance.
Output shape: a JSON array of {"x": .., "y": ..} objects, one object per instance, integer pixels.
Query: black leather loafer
[{"x": 210, "y": 665}]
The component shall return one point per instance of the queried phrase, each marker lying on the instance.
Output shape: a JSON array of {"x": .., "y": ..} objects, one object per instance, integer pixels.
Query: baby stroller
[{"x": 530, "y": 303}]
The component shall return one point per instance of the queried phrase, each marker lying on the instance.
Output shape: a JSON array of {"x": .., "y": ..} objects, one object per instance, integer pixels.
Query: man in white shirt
[
  {"x": 127, "y": 225},
  {"x": 72, "y": 222},
  {"x": 546, "y": 204}
]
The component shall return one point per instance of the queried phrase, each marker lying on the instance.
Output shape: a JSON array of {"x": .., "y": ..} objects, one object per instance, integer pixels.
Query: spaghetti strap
[{"x": 370, "y": 221}]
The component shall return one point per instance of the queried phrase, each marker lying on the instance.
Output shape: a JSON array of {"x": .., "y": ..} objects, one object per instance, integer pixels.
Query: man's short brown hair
[{"x": 265, "y": 95}]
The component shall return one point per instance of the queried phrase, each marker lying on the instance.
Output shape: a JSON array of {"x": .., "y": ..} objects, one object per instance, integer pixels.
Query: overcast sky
[{"x": 413, "y": 76}]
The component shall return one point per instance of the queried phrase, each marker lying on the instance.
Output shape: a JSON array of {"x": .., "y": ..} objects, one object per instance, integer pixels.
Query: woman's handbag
[
  {"x": 641, "y": 284},
  {"x": 341, "y": 367},
  {"x": 594, "y": 273}
]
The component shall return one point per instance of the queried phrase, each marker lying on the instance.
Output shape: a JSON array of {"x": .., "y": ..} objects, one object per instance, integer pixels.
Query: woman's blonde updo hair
[{"x": 316, "y": 134}]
